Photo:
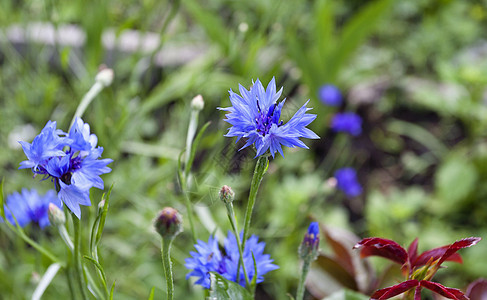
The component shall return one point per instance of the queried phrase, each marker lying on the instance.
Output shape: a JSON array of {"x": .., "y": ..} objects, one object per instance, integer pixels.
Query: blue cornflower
[
  {"x": 209, "y": 258},
  {"x": 72, "y": 161},
  {"x": 330, "y": 95},
  {"x": 347, "y": 182},
  {"x": 29, "y": 206},
  {"x": 347, "y": 122},
  {"x": 252, "y": 246},
  {"x": 255, "y": 115}
]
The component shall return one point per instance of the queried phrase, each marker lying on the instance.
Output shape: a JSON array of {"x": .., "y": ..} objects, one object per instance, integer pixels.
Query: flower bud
[
  {"x": 104, "y": 76},
  {"x": 168, "y": 222},
  {"x": 226, "y": 194},
  {"x": 309, "y": 247},
  {"x": 197, "y": 103},
  {"x": 56, "y": 215}
]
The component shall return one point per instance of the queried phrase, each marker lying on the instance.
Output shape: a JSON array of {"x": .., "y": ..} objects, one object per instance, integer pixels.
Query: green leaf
[
  {"x": 224, "y": 289},
  {"x": 355, "y": 32},
  {"x": 151, "y": 295}
]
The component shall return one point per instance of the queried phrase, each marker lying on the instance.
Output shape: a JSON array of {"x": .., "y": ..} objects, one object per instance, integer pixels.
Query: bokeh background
[{"x": 415, "y": 71}]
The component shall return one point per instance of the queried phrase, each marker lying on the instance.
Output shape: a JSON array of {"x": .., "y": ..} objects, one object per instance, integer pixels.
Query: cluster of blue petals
[
  {"x": 312, "y": 236},
  {"x": 348, "y": 122},
  {"x": 71, "y": 160},
  {"x": 347, "y": 182},
  {"x": 29, "y": 206},
  {"x": 255, "y": 115},
  {"x": 330, "y": 95},
  {"x": 209, "y": 258}
]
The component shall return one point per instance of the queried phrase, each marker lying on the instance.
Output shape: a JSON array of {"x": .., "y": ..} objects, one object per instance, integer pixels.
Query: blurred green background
[{"x": 415, "y": 71}]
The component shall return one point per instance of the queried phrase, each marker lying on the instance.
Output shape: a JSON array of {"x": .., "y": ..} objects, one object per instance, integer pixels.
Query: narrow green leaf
[
  {"x": 224, "y": 289},
  {"x": 112, "y": 290},
  {"x": 151, "y": 295},
  {"x": 355, "y": 32},
  {"x": 100, "y": 268},
  {"x": 92, "y": 286},
  {"x": 103, "y": 216}
]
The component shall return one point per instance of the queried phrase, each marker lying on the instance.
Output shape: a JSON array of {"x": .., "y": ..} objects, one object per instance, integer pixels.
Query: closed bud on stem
[
  {"x": 309, "y": 247},
  {"x": 56, "y": 215},
  {"x": 169, "y": 222},
  {"x": 226, "y": 194},
  {"x": 101, "y": 204},
  {"x": 104, "y": 76},
  {"x": 197, "y": 103}
]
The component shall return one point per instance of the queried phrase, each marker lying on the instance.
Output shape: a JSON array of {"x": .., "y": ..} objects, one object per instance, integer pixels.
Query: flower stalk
[
  {"x": 77, "y": 258},
  {"x": 227, "y": 196},
  {"x": 260, "y": 169}
]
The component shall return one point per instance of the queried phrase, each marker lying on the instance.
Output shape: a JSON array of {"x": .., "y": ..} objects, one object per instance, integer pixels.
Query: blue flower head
[
  {"x": 348, "y": 122},
  {"x": 29, "y": 206},
  {"x": 72, "y": 161},
  {"x": 209, "y": 258},
  {"x": 347, "y": 182},
  {"x": 309, "y": 247},
  {"x": 255, "y": 115},
  {"x": 330, "y": 95}
]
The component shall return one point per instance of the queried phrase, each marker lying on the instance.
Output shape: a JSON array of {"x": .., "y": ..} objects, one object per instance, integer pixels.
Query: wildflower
[
  {"x": 330, "y": 95},
  {"x": 418, "y": 269},
  {"x": 309, "y": 247},
  {"x": 70, "y": 160},
  {"x": 209, "y": 258},
  {"x": 168, "y": 222},
  {"x": 255, "y": 115},
  {"x": 29, "y": 206},
  {"x": 348, "y": 122},
  {"x": 347, "y": 182}
]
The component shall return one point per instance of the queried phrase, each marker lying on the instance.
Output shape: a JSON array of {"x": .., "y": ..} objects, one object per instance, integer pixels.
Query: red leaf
[
  {"x": 384, "y": 248},
  {"x": 463, "y": 243},
  {"x": 435, "y": 253},
  {"x": 477, "y": 290},
  {"x": 394, "y": 290},
  {"x": 413, "y": 251},
  {"x": 449, "y": 293}
]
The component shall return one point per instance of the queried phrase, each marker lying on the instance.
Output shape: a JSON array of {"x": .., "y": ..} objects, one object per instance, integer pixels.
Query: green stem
[
  {"x": 260, "y": 169},
  {"x": 302, "y": 279},
  {"x": 70, "y": 279},
  {"x": 233, "y": 222},
  {"x": 85, "y": 102},
  {"x": 65, "y": 236},
  {"x": 166, "y": 263},
  {"x": 77, "y": 257},
  {"x": 189, "y": 209}
]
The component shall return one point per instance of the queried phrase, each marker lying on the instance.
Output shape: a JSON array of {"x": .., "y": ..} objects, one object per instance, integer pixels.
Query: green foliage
[{"x": 225, "y": 289}]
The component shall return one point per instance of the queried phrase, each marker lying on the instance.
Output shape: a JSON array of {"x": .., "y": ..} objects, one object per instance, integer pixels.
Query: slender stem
[
  {"x": 302, "y": 279},
  {"x": 189, "y": 209},
  {"x": 193, "y": 124},
  {"x": 65, "y": 236},
  {"x": 87, "y": 98},
  {"x": 233, "y": 222},
  {"x": 166, "y": 263},
  {"x": 70, "y": 278},
  {"x": 77, "y": 257},
  {"x": 260, "y": 169},
  {"x": 31, "y": 242}
]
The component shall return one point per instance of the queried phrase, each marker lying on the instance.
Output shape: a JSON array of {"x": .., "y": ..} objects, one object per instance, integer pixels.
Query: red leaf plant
[{"x": 418, "y": 269}]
